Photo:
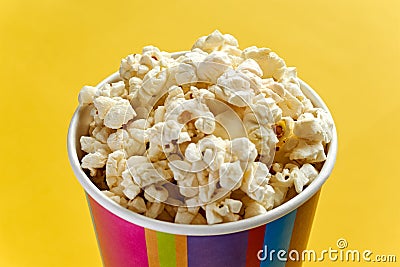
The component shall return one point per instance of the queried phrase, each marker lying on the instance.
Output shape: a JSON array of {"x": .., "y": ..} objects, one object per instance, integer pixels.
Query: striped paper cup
[{"x": 126, "y": 238}]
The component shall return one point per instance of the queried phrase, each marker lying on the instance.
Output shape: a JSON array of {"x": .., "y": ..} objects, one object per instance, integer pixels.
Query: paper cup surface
[{"x": 129, "y": 239}]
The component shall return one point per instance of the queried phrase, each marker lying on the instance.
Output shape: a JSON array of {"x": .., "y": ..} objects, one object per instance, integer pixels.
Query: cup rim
[{"x": 200, "y": 230}]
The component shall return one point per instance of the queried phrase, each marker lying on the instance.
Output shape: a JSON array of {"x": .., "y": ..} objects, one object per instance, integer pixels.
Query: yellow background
[{"x": 347, "y": 50}]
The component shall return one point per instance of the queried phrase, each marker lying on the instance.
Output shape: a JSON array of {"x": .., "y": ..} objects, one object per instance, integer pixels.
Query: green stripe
[{"x": 166, "y": 249}]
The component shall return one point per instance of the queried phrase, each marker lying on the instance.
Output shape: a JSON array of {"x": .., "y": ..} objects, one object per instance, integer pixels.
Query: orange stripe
[
  {"x": 302, "y": 228},
  {"x": 181, "y": 251},
  {"x": 152, "y": 249}
]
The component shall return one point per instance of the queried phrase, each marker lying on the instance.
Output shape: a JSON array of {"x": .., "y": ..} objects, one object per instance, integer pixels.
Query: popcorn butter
[{"x": 216, "y": 134}]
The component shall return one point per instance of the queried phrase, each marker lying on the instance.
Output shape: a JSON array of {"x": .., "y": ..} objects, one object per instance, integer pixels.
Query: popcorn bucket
[{"x": 129, "y": 239}]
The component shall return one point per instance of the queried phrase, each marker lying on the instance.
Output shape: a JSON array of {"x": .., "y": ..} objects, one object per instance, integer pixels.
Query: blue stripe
[{"x": 277, "y": 237}]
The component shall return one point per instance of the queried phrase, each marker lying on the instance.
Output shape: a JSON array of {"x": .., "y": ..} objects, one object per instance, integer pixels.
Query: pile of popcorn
[{"x": 212, "y": 135}]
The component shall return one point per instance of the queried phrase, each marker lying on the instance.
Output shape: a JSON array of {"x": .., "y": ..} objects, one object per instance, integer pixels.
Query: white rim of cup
[{"x": 200, "y": 230}]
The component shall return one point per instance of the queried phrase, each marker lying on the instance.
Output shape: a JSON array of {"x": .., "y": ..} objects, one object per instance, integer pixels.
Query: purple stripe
[{"x": 217, "y": 251}]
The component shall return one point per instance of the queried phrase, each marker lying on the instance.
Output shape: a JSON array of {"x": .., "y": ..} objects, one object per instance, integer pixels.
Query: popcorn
[
  {"x": 230, "y": 175},
  {"x": 115, "y": 164},
  {"x": 86, "y": 95},
  {"x": 186, "y": 215},
  {"x": 215, "y": 41},
  {"x": 224, "y": 211},
  {"x": 308, "y": 151},
  {"x": 213, "y": 66},
  {"x": 235, "y": 88},
  {"x": 252, "y": 208},
  {"x": 154, "y": 209},
  {"x": 215, "y": 135},
  {"x": 93, "y": 161},
  {"x": 101, "y": 133},
  {"x": 91, "y": 145},
  {"x": 130, "y": 188},
  {"x": 157, "y": 192},
  {"x": 115, "y": 111},
  {"x": 271, "y": 64},
  {"x": 153, "y": 84},
  {"x": 137, "y": 205}
]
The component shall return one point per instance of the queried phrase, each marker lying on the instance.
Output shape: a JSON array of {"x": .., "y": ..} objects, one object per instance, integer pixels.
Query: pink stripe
[{"x": 121, "y": 243}]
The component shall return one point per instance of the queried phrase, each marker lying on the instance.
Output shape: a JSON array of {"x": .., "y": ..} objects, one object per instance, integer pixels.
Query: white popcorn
[
  {"x": 252, "y": 207},
  {"x": 103, "y": 105},
  {"x": 224, "y": 211},
  {"x": 235, "y": 88},
  {"x": 175, "y": 135},
  {"x": 199, "y": 220},
  {"x": 317, "y": 122},
  {"x": 211, "y": 42},
  {"x": 230, "y": 175},
  {"x": 129, "y": 66},
  {"x": 115, "y": 163},
  {"x": 115, "y": 198},
  {"x": 250, "y": 65},
  {"x": 282, "y": 178},
  {"x": 309, "y": 171},
  {"x": 299, "y": 179},
  {"x": 118, "y": 140},
  {"x": 217, "y": 41},
  {"x": 157, "y": 192},
  {"x": 91, "y": 145},
  {"x": 117, "y": 89},
  {"x": 308, "y": 151},
  {"x": 153, "y": 85},
  {"x": 185, "y": 74},
  {"x": 213, "y": 66},
  {"x": 192, "y": 153},
  {"x": 135, "y": 84},
  {"x": 115, "y": 111},
  {"x": 137, "y": 205},
  {"x": 271, "y": 64},
  {"x": 182, "y": 111},
  {"x": 293, "y": 175},
  {"x": 255, "y": 180},
  {"x": 94, "y": 161},
  {"x": 86, "y": 95},
  {"x": 119, "y": 114},
  {"x": 229, "y": 125},
  {"x": 101, "y": 133},
  {"x": 154, "y": 209},
  {"x": 214, "y": 150},
  {"x": 130, "y": 188},
  {"x": 186, "y": 215},
  {"x": 243, "y": 149},
  {"x": 145, "y": 173}
]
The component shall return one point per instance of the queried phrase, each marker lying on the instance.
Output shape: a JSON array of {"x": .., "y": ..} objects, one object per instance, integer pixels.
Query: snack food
[{"x": 214, "y": 135}]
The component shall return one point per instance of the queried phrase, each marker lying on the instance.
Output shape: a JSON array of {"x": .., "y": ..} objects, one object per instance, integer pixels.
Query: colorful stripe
[
  {"x": 181, "y": 251},
  {"x": 277, "y": 237},
  {"x": 89, "y": 199},
  {"x": 254, "y": 244},
  {"x": 302, "y": 228},
  {"x": 118, "y": 239},
  {"x": 217, "y": 251},
  {"x": 152, "y": 248},
  {"x": 125, "y": 244},
  {"x": 166, "y": 249}
]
